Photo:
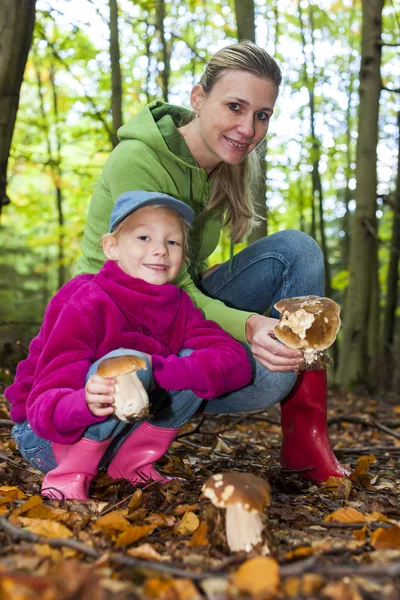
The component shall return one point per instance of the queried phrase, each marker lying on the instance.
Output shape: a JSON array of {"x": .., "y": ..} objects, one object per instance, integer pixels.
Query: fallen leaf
[
  {"x": 360, "y": 534},
  {"x": 188, "y": 524},
  {"x": 341, "y": 590},
  {"x": 30, "y": 503},
  {"x": 360, "y": 474},
  {"x": 257, "y": 575},
  {"x": 136, "y": 500},
  {"x": 133, "y": 534},
  {"x": 346, "y": 515},
  {"x": 386, "y": 539},
  {"x": 51, "y": 529},
  {"x": 199, "y": 538},
  {"x": 182, "y": 508},
  {"x": 307, "y": 585},
  {"x": 301, "y": 551},
  {"x": 114, "y": 520},
  {"x": 11, "y": 492},
  {"x": 147, "y": 552}
]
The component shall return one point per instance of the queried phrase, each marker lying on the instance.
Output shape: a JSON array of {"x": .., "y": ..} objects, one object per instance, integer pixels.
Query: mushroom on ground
[
  {"x": 310, "y": 324},
  {"x": 130, "y": 399},
  {"x": 244, "y": 496}
]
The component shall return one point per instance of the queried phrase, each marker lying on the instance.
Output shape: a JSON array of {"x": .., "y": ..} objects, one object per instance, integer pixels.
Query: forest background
[{"x": 331, "y": 166}]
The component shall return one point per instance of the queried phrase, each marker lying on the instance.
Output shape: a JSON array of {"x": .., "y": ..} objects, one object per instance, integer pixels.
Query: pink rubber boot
[
  {"x": 305, "y": 433},
  {"x": 77, "y": 464},
  {"x": 134, "y": 459}
]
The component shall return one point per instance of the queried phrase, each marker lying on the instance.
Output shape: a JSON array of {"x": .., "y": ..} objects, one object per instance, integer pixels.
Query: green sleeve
[{"x": 230, "y": 319}]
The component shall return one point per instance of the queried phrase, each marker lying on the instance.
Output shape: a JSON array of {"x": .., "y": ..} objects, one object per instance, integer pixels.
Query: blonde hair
[
  {"x": 184, "y": 224},
  {"x": 233, "y": 189}
]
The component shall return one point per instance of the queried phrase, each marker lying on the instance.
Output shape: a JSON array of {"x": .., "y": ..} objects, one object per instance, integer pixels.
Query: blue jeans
[{"x": 285, "y": 264}]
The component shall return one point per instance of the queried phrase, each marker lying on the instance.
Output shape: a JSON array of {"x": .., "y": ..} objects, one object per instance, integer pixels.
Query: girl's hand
[
  {"x": 100, "y": 395},
  {"x": 267, "y": 350}
]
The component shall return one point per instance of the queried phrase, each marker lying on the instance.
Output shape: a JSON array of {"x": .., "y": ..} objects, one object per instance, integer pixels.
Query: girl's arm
[
  {"x": 56, "y": 407},
  {"x": 219, "y": 364}
]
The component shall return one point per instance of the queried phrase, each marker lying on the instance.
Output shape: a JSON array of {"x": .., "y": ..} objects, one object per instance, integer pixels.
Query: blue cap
[{"x": 128, "y": 202}]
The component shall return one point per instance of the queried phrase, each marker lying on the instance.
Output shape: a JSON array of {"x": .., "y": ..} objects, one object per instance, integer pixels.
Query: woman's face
[{"x": 232, "y": 119}]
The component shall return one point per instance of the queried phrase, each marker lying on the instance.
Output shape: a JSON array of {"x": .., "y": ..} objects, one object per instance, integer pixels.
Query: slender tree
[
  {"x": 246, "y": 30},
  {"x": 116, "y": 80},
  {"x": 17, "y": 19},
  {"x": 354, "y": 363},
  {"x": 165, "y": 51}
]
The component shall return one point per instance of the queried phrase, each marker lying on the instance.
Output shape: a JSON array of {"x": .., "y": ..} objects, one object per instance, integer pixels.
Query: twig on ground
[{"x": 6, "y": 423}]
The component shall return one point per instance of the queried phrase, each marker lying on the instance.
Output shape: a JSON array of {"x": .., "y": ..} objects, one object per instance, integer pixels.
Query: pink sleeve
[{"x": 219, "y": 364}]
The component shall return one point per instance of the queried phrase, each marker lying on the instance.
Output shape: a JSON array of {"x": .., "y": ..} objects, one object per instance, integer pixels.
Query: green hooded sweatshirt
[{"x": 152, "y": 156}]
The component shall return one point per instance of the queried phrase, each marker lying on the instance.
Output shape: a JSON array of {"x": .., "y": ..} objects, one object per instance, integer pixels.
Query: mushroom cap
[
  {"x": 237, "y": 489},
  {"x": 308, "y": 322},
  {"x": 120, "y": 365}
]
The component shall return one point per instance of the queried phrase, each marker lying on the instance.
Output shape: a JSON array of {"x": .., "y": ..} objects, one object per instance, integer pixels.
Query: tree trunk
[
  {"x": 165, "y": 51},
  {"x": 246, "y": 30},
  {"x": 17, "y": 19},
  {"x": 389, "y": 324},
  {"x": 317, "y": 193},
  {"x": 354, "y": 362},
  {"x": 116, "y": 80}
]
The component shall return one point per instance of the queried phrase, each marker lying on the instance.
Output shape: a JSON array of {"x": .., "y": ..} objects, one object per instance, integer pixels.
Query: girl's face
[
  {"x": 233, "y": 118},
  {"x": 149, "y": 245}
]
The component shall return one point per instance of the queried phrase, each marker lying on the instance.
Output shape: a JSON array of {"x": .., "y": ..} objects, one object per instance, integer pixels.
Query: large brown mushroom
[
  {"x": 308, "y": 323},
  {"x": 130, "y": 399},
  {"x": 244, "y": 496}
]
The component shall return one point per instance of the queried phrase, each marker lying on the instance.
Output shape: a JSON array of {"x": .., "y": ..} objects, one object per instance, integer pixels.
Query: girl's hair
[
  {"x": 185, "y": 227},
  {"x": 234, "y": 185}
]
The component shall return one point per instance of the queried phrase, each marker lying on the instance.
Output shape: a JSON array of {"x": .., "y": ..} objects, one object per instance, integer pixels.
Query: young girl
[{"x": 63, "y": 410}]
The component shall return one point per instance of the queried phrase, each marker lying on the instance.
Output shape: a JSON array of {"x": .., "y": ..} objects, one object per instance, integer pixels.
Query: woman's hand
[
  {"x": 100, "y": 395},
  {"x": 267, "y": 350}
]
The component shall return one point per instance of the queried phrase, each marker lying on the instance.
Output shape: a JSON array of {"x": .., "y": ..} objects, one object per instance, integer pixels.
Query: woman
[{"x": 207, "y": 159}]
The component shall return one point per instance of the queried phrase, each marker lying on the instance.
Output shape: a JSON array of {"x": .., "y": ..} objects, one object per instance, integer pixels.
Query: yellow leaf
[
  {"x": 48, "y": 552},
  {"x": 11, "y": 492},
  {"x": 114, "y": 520},
  {"x": 380, "y": 517},
  {"x": 131, "y": 535},
  {"x": 3, "y": 510},
  {"x": 30, "y": 503},
  {"x": 185, "y": 589},
  {"x": 341, "y": 590},
  {"x": 347, "y": 515},
  {"x": 199, "y": 538},
  {"x": 155, "y": 587},
  {"x": 386, "y": 539},
  {"x": 188, "y": 524},
  {"x": 182, "y": 508},
  {"x": 257, "y": 575},
  {"x": 307, "y": 585},
  {"x": 48, "y": 528},
  {"x": 136, "y": 500},
  {"x": 360, "y": 534},
  {"x": 299, "y": 552}
]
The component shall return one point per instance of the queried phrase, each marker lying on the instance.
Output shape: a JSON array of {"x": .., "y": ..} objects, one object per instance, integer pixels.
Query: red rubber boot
[
  {"x": 77, "y": 464},
  {"x": 134, "y": 459},
  {"x": 305, "y": 441}
]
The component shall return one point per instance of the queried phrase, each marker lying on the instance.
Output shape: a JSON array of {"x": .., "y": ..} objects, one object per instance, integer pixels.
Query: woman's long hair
[{"x": 232, "y": 195}]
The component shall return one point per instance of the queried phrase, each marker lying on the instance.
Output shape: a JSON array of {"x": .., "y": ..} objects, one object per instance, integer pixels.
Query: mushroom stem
[{"x": 243, "y": 528}]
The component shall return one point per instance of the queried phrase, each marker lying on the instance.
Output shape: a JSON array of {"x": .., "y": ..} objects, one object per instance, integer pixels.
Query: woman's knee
[{"x": 294, "y": 245}]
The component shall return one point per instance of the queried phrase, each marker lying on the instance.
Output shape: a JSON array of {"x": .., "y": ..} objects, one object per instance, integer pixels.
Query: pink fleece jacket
[{"x": 94, "y": 314}]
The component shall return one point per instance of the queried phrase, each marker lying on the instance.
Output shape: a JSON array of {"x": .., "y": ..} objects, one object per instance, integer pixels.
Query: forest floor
[{"x": 338, "y": 541}]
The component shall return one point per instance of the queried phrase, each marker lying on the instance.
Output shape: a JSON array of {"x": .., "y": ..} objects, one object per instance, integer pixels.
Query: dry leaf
[
  {"x": 133, "y": 534},
  {"x": 347, "y": 515},
  {"x": 307, "y": 585},
  {"x": 30, "y": 503},
  {"x": 182, "y": 508},
  {"x": 199, "y": 538},
  {"x": 136, "y": 501},
  {"x": 257, "y": 575},
  {"x": 11, "y": 492},
  {"x": 360, "y": 474},
  {"x": 360, "y": 534},
  {"x": 114, "y": 520},
  {"x": 386, "y": 539},
  {"x": 341, "y": 590},
  {"x": 188, "y": 524},
  {"x": 301, "y": 551},
  {"x": 147, "y": 552},
  {"x": 155, "y": 587},
  {"x": 45, "y": 527}
]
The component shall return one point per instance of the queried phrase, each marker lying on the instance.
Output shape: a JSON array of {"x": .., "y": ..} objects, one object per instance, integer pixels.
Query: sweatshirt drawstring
[{"x": 231, "y": 256}]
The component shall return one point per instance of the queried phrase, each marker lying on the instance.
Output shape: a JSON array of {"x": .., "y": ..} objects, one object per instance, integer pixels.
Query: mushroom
[
  {"x": 310, "y": 324},
  {"x": 130, "y": 399},
  {"x": 244, "y": 496}
]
